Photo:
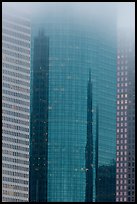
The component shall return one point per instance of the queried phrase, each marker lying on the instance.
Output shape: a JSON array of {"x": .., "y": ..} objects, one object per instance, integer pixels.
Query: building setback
[
  {"x": 15, "y": 105},
  {"x": 125, "y": 165}
]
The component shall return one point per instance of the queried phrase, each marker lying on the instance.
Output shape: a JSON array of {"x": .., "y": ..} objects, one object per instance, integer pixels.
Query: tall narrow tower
[
  {"x": 39, "y": 119},
  {"x": 125, "y": 171}
]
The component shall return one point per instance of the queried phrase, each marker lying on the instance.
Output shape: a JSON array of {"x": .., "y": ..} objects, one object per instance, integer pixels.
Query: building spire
[
  {"x": 41, "y": 31},
  {"x": 89, "y": 75}
]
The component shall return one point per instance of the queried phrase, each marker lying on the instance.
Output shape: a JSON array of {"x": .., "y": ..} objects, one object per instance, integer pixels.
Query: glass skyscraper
[
  {"x": 15, "y": 104},
  {"x": 73, "y": 106}
]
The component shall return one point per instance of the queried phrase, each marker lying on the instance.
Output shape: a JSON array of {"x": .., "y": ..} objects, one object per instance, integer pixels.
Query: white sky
[{"x": 126, "y": 10}]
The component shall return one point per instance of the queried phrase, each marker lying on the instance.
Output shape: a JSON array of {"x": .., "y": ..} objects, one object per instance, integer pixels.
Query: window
[
  {"x": 121, "y": 135},
  {"x": 125, "y": 95},
  {"x": 125, "y": 158},
  {"x": 121, "y": 129},
  {"x": 125, "y": 153},
  {"x": 125, "y": 181},
  {"x": 125, "y": 187},
  {"x": 125, "y": 164},
  {"x": 125, "y": 141},
  {"x": 121, "y": 181}
]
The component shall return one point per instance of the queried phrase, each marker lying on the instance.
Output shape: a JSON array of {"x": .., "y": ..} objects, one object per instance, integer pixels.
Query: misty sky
[{"x": 126, "y": 10}]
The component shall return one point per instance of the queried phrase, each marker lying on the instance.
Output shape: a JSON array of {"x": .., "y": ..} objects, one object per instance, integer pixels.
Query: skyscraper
[
  {"x": 39, "y": 119},
  {"x": 125, "y": 167},
  {"x": 72, "y": 156},
  {"x": 15, "y": 104}
]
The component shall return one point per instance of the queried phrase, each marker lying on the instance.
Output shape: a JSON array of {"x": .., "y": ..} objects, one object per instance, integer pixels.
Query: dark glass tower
[
  {"x": 89, "y": 145},
  {"x": 39, "y": 119},
  {"x": 80, "y": 149}
]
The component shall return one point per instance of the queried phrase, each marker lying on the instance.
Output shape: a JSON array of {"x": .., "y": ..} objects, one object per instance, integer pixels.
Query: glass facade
[
  {"x": 39, "y": 120},
  {"x": 81, "y": 108},
  {"x": 15, "y": 105}
]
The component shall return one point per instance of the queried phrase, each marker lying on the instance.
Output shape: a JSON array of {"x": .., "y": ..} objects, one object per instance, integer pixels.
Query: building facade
[
  {"x": 73, "y": 134},
  {"x": 125, "y": 167},
  {"x": 15, "y": 105}
]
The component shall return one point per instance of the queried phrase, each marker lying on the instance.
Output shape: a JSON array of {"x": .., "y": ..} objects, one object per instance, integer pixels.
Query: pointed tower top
[{"x": 41, "y": 31}]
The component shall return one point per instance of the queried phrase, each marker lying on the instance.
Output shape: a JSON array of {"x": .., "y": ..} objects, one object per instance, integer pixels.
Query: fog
[{"x": 122, "y": 12}]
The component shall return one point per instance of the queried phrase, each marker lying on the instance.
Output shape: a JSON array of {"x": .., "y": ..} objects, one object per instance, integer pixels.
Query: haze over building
[
  {"x": 71, "y": 79},
  {"x": 73, "y": 71}
]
